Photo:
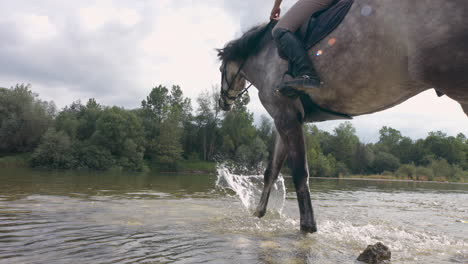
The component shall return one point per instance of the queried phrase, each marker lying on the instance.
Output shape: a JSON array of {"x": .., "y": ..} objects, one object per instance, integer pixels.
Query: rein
[{"x": 224, "y": 93}]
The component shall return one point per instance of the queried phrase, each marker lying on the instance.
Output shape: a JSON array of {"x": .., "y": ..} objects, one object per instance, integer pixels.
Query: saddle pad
[{"x": 324, "y": 22}]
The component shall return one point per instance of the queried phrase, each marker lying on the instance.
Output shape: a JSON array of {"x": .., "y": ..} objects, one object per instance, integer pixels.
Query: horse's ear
[{"x": 220, "y": 53}]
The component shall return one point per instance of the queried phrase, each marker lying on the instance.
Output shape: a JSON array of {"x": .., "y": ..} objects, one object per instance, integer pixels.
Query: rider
[{"x": 303, "y": 73}]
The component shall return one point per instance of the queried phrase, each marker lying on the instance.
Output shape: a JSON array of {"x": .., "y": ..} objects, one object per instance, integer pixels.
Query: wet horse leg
[
  {"x": 293, "y": 137},
  {"x": 271, "y": 175}
]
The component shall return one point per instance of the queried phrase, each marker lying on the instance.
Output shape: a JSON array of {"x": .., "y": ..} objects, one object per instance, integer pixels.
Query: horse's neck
[{"x": 265, "y": 69}]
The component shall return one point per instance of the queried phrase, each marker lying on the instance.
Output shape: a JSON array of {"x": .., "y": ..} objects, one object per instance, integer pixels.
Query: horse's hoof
[
  {"x": 260, "y": 213},
  {"x": 309, "y": 229}
]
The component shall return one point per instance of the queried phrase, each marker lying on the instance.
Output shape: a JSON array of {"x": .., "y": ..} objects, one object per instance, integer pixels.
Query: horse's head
[
  {"x": 234, "y": 56},
  {"x": 232, "y": 83}
]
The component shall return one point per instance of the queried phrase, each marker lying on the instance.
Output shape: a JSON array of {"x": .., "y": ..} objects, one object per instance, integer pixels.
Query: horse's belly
[{"x": 363, "y": 64}]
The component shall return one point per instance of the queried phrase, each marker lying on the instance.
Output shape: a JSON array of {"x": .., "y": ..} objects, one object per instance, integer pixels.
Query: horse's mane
[{"x": 248, "y": 44}]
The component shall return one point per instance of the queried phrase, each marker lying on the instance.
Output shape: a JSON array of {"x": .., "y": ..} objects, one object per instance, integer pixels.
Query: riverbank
[
  {"x": 389, "y": 179},
  {"x": 183, "y": 166},
  {"x": 15, "y": 161},
  {"x": 205, "y": 167},
  {"x": 396, "y": 178}
]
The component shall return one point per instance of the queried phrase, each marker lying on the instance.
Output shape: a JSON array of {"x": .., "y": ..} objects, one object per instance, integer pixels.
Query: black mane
[{"x": 250, "y": 43}]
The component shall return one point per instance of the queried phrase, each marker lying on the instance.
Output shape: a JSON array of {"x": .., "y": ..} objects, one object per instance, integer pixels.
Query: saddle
[
  {"x": 313, "y": 31},
  {"x": 323, "y": 22}
]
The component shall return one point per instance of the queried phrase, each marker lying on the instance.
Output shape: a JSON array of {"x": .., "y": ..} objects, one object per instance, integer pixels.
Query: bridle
[{"x": 225, "y": 92}]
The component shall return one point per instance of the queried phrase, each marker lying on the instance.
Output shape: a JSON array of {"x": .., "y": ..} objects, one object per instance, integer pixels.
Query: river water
[{"x": 70, "y": 217}]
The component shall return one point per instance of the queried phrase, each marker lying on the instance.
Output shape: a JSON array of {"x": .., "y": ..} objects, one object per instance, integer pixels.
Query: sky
[{"x": 116, "y": 50}]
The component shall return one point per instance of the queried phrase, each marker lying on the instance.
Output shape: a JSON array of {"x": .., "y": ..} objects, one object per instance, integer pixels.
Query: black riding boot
[{"x": 302, "y": 73}]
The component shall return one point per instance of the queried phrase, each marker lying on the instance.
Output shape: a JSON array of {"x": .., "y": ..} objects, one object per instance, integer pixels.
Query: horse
[{"x": 382, "y": 53}]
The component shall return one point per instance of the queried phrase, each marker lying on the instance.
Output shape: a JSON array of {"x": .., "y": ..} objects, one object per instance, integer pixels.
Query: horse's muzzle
[{"x": 223, "y": 105}]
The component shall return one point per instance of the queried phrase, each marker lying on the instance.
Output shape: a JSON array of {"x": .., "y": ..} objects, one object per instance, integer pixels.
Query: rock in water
[{"x": 376, "y": 254}]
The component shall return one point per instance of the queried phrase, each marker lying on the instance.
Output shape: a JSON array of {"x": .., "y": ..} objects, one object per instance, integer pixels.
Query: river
[{"x": 86, "y": 217}]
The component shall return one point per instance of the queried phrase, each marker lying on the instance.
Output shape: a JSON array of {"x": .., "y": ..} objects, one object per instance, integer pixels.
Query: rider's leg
[{"x": 304, "y": 75}]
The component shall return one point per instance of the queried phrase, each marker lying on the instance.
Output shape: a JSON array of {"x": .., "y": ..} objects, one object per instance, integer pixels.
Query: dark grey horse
[{"x": 383, "y": 53}]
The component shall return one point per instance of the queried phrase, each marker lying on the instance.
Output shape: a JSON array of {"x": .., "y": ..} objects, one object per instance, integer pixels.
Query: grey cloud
[
  {"x": 99, "y": 63},
  {"x": 252, "y": 12}
]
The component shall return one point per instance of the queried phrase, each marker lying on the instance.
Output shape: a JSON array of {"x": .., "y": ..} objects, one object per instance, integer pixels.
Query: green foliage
[
  {"x": 342, "y": 144},
  {"x": 15, "y": 161},
  {"x": 424, "y": 173},
  {"x": 442, "y": 169},
  {"x": 384, "y": 161},
  {"x": 205, "y": 135},
  {"x": 237, "y": 128},
  {"x": 93, "y": 157},
  {"x": 166, "y": 135},
  {"x": 387, "y": 173},
  {"x": 363, "y": 158},
  {"x": 252, "y": 155},
  {"x": 55, "y": 151},
  {"x": 389, "y": 140},
  {"x": 121, "y": 133},
  {"x": 164, "y": 117},
  {"x": 406, "y": 171},
  {"x": 23, "y": 119},
  {"x": 167, "y": 146}
]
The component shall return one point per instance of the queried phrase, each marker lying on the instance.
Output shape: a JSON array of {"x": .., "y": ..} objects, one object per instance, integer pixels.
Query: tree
[
  {"x": 405, "y": 151},
  {"x": 168, "y": 147},
  {"x": 342, "y": 145},
  {"x": 237, "y": 127},
  {"x": 320, "y": 165},
  {"x": 121, "y": 133},
  {"x": 207, "y": 122},
  {"x": 362, "y": 159},
  {"x": 157, "y": 104},
  {"x": 252, "y": 155},
  {"x": 24, "y": 119},
  {"x": 384, "y": 161},
  {"x": 443, "y": 147},
  {"x": 389, "y": 139},
  {"x": 164, "y": 116}
]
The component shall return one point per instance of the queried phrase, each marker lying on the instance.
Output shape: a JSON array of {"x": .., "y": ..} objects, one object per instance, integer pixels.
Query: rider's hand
[{"x": 275, "y": 13}]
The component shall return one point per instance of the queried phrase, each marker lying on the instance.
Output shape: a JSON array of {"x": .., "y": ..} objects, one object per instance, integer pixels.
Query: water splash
[{"x": 248, "y": 188}]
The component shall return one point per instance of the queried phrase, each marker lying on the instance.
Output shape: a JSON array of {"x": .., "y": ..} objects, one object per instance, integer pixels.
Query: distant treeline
[{"x": 165, "y": 131}]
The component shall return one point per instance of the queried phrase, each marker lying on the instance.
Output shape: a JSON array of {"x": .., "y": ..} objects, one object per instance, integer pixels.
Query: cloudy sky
[{"x": 117, "y": 50}]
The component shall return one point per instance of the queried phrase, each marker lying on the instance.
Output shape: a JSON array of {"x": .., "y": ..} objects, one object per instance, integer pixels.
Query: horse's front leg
[
  {"x": 271, "y": 175},
  {"x": 292, "y": 134}
]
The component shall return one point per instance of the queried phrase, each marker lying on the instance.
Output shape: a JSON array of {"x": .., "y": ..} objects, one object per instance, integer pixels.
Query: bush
[
  {"x": 132, "y": 157},
  {"x": 93, "y": 157},
  {"x": 423, "y": 173},
  {"x": 54, "y": 151},
  {"x": 251, "y": 156},
  {"x": 406, "y": 171},
  {"x": 342, "y": 169},
  {"x": 387, "y": 173},
  {"x": 460, "y": 175},
  {"x": 384, "y": 161},
  {"x": 16, "y": 161},
  {"x": 442, "y": 169}
]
